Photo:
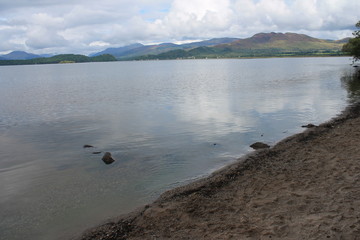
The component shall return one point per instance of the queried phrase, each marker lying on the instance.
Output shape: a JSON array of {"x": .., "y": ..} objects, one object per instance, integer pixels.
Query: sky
[{"x": 88, "y": 26}]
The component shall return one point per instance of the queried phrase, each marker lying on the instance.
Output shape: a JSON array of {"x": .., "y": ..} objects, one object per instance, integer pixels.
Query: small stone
[
  {"x": 96, "y": 152},
  {"x": 87, "y": 146},
  {"x": 107, "y": 158},
  {"x": 310, "y": 125},
  {"x": 259, "y": 145}
]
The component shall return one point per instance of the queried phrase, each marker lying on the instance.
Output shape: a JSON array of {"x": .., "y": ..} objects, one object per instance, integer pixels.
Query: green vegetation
[
  {"x": 63, "y": 58},
  {"x": 206, "y": 52},
  {"x": 353, "y": 46}
]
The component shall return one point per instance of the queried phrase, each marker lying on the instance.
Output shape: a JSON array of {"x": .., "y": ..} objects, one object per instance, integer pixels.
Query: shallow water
[{"x": 165, "y": 122}]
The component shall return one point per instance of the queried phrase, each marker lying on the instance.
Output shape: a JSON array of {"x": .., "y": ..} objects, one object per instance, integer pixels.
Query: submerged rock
[
  {"x": 259, "y": 145},
  {"x": 96, "y": 152},
  {"x": 87, "y": 146},
  {"x": 310, "y": 125},
  {"x": 107, "y": 158}
]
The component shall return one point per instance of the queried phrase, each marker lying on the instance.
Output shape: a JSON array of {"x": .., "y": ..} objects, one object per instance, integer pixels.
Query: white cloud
[
  {"x": 79, "y": 26},
  {"x": 43, "y": 31},
  {"x": 99, "y": 44}
]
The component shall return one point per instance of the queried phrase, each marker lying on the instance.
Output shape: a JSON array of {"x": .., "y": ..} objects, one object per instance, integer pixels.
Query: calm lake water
[{"x": 165, "y": 122}]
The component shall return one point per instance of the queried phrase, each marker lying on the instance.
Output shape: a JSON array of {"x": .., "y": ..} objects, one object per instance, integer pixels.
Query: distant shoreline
[
  {"x": 84, "y": 59},
  {"x": 263, "y": 57},
  {"x": 60, "y": 59},
  {"x": 154, "y": 58}
]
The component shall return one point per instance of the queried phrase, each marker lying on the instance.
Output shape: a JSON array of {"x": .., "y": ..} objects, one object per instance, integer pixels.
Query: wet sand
[{"x": 305, "y": 187}]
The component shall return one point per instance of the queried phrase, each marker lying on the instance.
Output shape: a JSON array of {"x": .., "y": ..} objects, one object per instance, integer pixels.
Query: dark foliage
[
  {"x": 353, "y": 46},
  {"x": 63, "y": 58}
]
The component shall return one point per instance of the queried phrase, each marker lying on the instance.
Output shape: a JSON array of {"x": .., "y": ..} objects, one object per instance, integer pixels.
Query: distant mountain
[
  {"x": 118, "y": 51},
  {"x": 138, "y": 49},
  {"x": 281, "y": 42},
  {"x": 148, "y": 49},
  {"x": 211, "y": 42},
  {"x": 260, "y": 45},
  {"x": 343, "y": 41},
  {"x": 19, "y": 55},
  {"x": 46, "y": 55}
]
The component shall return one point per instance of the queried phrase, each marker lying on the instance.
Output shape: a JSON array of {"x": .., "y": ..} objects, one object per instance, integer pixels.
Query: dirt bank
[{"x": 305, "y": 187}]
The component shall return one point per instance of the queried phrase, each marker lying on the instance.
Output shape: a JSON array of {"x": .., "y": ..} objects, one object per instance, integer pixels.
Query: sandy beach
[{"x": 305, "y": 187}]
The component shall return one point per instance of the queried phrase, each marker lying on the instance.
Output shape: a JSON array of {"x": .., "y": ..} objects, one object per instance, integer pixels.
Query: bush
[{"x": 353, "y": 46}]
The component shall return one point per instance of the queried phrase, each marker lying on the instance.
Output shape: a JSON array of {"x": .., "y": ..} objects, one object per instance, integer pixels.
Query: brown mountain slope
[{"x": 283, "y": 42}]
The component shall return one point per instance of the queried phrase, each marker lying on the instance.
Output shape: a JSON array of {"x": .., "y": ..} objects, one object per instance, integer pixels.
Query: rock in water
[
  {"x": 107, "y": 158},
  {"x": 259, "y": 145},
  {"x": 310, "y": 125},
  {"x": 87, "y": 146}
]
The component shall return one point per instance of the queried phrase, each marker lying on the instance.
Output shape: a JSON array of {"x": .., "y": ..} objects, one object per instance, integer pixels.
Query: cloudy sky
[{"x": 86, "y": 26}]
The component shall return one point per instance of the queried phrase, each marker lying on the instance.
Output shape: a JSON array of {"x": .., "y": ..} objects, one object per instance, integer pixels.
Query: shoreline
[
  {"x": 4, "y": 63},
  {"x": 304, "y": 187}
]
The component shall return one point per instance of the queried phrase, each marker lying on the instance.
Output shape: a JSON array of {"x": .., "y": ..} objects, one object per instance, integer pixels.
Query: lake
[{"x": 166, "y": 123}]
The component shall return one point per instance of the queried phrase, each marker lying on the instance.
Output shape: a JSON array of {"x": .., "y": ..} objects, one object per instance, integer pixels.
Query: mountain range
[
  {"x": 138, "y": 49},
  {"x": 259, "y": 45}
]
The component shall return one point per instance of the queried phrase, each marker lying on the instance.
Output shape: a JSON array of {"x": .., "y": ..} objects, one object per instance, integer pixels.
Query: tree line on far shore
[{"x": 62, "y": 58}]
